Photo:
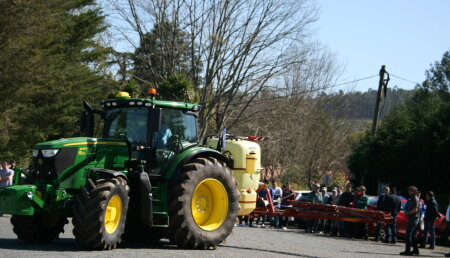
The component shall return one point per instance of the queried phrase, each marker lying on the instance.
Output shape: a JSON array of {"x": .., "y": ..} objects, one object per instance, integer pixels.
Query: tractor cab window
[
  {"x": 178, "y": 131},
  {"x": 128, "y": 124}
]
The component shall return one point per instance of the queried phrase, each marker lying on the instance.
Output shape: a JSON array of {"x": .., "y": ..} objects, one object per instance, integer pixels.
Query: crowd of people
[{"x": 388, "y": 202}]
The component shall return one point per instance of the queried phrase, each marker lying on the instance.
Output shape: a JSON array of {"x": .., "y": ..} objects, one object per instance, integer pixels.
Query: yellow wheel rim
[
  {"x": 209, "y": 204},
  {"x": 113, "y": 214}
]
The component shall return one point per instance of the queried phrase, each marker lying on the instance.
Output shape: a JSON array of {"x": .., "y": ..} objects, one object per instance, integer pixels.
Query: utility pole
[{"x": 378, "y": 101}]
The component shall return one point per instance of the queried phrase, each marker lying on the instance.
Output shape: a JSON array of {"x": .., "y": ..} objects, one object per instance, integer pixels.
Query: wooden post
[{"x": 378, "y": 101}]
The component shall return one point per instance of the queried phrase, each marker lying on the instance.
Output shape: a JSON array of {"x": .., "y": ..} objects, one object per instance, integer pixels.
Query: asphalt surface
[{"x": 244, "y": 242}]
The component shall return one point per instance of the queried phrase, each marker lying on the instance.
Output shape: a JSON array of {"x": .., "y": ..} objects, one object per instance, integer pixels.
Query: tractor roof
[{"x": 141, "y": 102}]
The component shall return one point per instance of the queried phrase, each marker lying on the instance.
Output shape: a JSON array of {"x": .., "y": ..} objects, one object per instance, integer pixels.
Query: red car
[{"x": 442, "y": 234}]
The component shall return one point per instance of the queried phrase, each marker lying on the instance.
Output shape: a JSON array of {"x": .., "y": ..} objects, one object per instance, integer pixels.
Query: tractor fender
[
  {"x": 193, "y": 155},
  {"x": 106, "y": 172}
]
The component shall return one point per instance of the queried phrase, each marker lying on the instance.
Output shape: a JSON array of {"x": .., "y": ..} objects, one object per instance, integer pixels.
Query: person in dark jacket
[
  {"x": 287, "y": 196},
  {"x": 431, "y": 214},
  {"x": 380, "y": 207},
  {"x": 346, "y": 199},
  {"x": 393, "y": 205}
]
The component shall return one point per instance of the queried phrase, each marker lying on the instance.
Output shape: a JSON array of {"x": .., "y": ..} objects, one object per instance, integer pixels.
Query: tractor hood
[{"x": 62, "y": 159}]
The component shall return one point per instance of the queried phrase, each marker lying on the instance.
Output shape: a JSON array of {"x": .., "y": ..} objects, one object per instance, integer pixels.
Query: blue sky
[{"x": 405, "y": 35}]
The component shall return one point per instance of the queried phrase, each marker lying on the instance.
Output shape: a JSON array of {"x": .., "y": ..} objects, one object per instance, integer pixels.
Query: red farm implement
[{"x": 307, "y": 210}]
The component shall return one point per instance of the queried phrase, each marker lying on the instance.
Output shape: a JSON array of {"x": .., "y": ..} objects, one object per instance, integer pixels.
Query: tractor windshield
[
  {"x": 178, "y": 129},
  {"x": 127, "y": 123}
]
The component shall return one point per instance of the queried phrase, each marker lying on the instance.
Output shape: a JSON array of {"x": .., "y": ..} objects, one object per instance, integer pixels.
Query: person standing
[
  {"x": 393, "y": 205},
  {"x": 287, "y": 196},
  {"x": 431, "y": 214},
  {"x": 380, "y": 207},
  {"x": 422, "y": 208},
  {"x": 361, "y": 202},
  {"x": 334, "y": 200},
  {"x": 277, "y": 192},
  {"x": 323, "y": 223},
  {"x": 413, "y": 212},
  {"x": 314, "y": 197},
  {"x": 267, "y": 191},
  {"x": 339, "y": 190},
  {"x": 6, "y": 176},
  {"x": 346, "y": 199},
  {"x": 17, "y": 172}
]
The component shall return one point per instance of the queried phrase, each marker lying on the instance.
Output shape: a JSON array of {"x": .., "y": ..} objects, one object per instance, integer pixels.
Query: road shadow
[
  {"x": 388, "y": 254},
  {"x": 63, "y": 244},
  {"x": 69, "y": 244},
  {"x": 372, "y": 253},
  {"x": 276, "y": 252}
]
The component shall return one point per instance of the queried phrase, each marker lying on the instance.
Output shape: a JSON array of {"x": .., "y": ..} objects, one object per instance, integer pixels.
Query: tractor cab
[{"x": 154, "y": 131}]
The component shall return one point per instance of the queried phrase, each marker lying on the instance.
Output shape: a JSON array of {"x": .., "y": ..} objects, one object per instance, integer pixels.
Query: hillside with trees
[{"x": 412, "y": 145}]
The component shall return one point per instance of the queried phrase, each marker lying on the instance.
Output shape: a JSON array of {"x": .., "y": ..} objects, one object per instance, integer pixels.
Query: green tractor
[{"x": 145, "y": 179}]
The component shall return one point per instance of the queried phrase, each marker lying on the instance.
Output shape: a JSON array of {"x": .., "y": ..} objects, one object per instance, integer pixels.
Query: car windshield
[{"x": 127, "y": 123}]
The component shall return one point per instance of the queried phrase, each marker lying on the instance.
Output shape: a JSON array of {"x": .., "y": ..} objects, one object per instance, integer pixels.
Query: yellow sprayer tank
[{"x": 246, "y": 168}]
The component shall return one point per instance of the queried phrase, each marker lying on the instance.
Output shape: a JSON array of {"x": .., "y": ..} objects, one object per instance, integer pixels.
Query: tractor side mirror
[
  {"x": 83, "y": 118},
  {"x": 155, "y": 118},
  {"x": 87, "y": 120}
]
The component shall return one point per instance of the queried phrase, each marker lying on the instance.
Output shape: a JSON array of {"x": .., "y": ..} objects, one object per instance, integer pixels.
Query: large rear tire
[
  {"x": 39, "y": 228},
  {"x": 100, "y": 213},
  {"x": 204, "y": 206}
]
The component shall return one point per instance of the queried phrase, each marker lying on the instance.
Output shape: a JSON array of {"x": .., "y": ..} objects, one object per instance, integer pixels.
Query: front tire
[
  {"x": 39, "y": 228},
  {"x": 204, "y": 206},
  {"x": 100, "y": 213}
]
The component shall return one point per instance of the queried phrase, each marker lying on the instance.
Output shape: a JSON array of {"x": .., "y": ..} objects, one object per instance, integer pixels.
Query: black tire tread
[
  {"x": 184, "y": 233},
  {"x": 88, "y": 213},
  {"x": 33, "y": 229}
]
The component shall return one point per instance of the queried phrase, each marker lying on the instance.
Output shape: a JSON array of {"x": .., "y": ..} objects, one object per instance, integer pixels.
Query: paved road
[{"x": 244, "y": 242}]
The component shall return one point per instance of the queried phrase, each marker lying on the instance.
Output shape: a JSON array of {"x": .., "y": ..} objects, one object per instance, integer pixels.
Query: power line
[
  {"x": 406, "y": 80},
  {"x": 304, "y": 92}
]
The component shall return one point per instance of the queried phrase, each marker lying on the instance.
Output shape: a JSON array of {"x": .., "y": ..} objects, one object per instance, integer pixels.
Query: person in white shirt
[
  {"x": 6, "y": 176},
  {"x": 276, "y": 198}
]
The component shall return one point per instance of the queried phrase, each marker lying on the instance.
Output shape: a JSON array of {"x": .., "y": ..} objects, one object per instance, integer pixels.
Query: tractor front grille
[{"x": 50, "y": 168}]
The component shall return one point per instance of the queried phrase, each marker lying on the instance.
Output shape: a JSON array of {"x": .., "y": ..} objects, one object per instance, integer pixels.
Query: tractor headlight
[
  {"x": 49, "y": 153},
  {"x": 35, "y": 153},
  {"x": 29, "y": 195}
]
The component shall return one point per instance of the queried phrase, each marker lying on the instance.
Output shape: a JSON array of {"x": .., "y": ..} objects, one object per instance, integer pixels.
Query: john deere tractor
[{"x": 146, "y": 178}]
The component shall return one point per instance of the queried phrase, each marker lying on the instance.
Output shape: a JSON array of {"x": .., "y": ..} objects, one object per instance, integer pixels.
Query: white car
[{"x": 301, "y": 195}]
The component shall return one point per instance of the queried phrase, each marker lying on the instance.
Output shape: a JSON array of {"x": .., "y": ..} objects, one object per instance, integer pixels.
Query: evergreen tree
[
  {"x": 164, "y": 52},
  {"x": 48, "y": 59}
]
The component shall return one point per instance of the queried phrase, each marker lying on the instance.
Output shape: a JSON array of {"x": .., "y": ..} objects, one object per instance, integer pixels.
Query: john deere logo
[{"x": 40, "y": 161}]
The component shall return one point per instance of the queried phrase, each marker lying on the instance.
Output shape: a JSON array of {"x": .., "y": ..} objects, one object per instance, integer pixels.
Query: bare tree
[
  {"x": 306, "y": 138},
  {"x": 241, "y": 45}
]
